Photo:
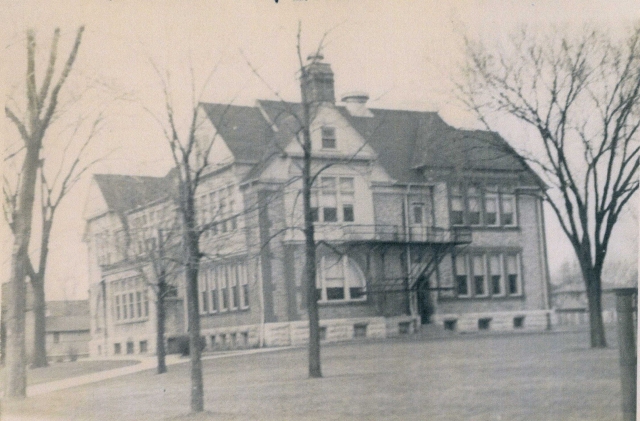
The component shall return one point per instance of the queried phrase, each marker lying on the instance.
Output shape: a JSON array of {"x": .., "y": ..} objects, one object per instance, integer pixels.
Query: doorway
[{"x": 425, "y": 303}]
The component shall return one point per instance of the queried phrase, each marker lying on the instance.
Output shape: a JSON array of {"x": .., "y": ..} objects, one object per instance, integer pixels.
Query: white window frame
[
  {"x": 509, "y": 197},
  {"x": 328, "y": 133},
  {"x": 473, "y": 194},
  {"x": 234, "y": 289},
  {"x": 516, "y": 257},
  {"x": 500, "y": 272},
  {"x": 480, "y": 257},
  {"x": 346, "y": 284},
  {"x": 203, "y": 291},
  {"x": 456, "y": 196},
  {"x": 244, "y": 286},
  {"x": 130, "y": 300},
  {"x": 495, "y": 199},
  {"x": 223, "y": 284},
  {"x": 464, "y": 258},
  {"x": 342, "y": 196}
]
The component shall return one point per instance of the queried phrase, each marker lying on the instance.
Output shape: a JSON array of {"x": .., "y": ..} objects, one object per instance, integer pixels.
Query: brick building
[{"x": 416, "y": 222}]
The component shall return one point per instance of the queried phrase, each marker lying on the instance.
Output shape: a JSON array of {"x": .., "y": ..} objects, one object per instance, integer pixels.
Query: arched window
[{"x": 339, "y": 279}]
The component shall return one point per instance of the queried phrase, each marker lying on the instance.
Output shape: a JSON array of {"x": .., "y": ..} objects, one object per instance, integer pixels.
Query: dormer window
[{"x": 328, "y": 138}]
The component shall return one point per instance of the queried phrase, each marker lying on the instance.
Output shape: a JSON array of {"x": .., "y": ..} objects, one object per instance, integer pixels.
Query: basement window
[
  {"x": 450, "y": 325},
  {"x": 518, "y": 322},
  {"x": 360, "y": 330},
  {"x": 484, "y": 324}
]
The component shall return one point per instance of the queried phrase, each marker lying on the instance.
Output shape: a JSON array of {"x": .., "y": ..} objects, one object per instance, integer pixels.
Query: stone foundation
[{"x": 504, "y": 321}]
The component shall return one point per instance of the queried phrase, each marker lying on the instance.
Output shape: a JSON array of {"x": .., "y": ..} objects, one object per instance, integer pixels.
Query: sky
[{"x": 402, "y": 53}]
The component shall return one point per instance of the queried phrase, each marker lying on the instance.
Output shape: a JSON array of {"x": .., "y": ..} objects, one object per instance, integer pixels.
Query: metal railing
[{"x": 399, "y": 233}]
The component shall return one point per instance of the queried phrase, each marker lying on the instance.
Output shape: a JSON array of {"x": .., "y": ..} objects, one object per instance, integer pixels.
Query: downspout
[
  {"x": 544, "y": 262},
  {"x": 258, "y": 274},
  {"x": 407, "y": 232},
  {"x": 103, "y": 284}
]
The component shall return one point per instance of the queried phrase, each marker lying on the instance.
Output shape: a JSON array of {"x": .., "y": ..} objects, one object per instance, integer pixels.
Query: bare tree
[
  {"x": 52, "y": 191},
  {"x": 41, "y": 104},
  {"x": 191, "y": 159},
  {"x": 581, "y": 97},
  {"x": 303, "y": 137},
  {"x": 159, "y": 251},
  {"x": 310, "y": 106}
]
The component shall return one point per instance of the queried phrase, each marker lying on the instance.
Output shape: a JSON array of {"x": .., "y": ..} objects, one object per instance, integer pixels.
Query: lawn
[
  {"x": 468, "y": 377},
  {"x": 57, "y": 371}
]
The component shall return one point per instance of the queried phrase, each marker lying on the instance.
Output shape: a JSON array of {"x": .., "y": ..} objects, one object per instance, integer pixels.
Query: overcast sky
[{"x": 402, "y": 53}]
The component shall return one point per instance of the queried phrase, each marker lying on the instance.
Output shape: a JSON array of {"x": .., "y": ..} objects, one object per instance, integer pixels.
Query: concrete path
[{"x": 146, "y": 363}]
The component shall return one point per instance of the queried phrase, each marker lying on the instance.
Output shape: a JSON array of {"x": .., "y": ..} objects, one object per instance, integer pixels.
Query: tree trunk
[
  {"x": 592, "y": 280},
  {"x": 16, "y": 375},
  {"x": 197, "y": 391},
  {"x": 192, "y": 254},
  {"x": 39, "y": 312},
  {"x": 594, "y": 298},
  {"x": 160, "y": 323},
  {"x": 39, "y": 302},
  {"x": 315, "y": 370}
]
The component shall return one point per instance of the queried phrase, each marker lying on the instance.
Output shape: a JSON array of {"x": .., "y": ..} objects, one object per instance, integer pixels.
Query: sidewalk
[{"x": 145, "y": 363}]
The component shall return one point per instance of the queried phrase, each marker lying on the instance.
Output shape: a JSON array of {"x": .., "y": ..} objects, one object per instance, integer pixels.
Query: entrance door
[{"x": 425, "y": 305}]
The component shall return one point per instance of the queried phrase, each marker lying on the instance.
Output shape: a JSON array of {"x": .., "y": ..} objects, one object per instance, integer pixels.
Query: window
[
  {"x": 220, "y": 211},
  {"x": 500, "y": 268},
  {"x": 223, "y": 281},
  {"x": 103, "y": 248},
  {"x": 495, "y": 273},
  {"x": 334, "y": 200},
  {"x": 508, "y": 209},
  {"x": 56, "y": 337},
  {"x": 223, "y": 286},
  {"x": 328, "y": 138},
  {"x": 339, "y": 279},
  {"x": 491, "y": 205},
  {"x": 462, "y": 280},
  {"x": 513, "y": 278},
  {"x": 117, "y": 349},
  {"x": 214, "y": 289},
  {"x": 418, "y": 213},
  {"x": 130, "y": 299},
  {"x": 143, "y": 347},
  {"x": 479, "y": 287},
  {"x": 482, "y": 206},
  {"x": 457, "y": 206},
  {"x": 235, "y": 292},
  {"x": 139, "y": 303},
  {"x": 203, "y": 288},
  {"x": 473, "y": 198},
  {"x": 129, "y": 347},
  {"x": 244, "y": 283}
]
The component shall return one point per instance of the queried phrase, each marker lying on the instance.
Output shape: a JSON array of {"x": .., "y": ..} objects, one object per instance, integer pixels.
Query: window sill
[
  {"x": 227, "y": 311},
  {"x": 484, "y": 298},
  {"x": 330, "y": 303},
  {"x": 126, "y": 322},
  {"x": 489, "y": 227}
]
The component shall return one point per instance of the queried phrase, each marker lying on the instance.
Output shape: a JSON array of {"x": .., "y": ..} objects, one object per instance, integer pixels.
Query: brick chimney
[{"x": 317, "y": 81}]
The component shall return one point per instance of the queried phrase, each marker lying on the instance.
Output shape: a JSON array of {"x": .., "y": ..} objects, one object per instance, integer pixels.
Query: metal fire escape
[{"x": 426, "y": 245}]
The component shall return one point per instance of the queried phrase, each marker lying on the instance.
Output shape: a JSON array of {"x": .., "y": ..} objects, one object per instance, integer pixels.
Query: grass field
[
  {"x": 468, "y": 377},
  {"x": 57, "y": 371}
]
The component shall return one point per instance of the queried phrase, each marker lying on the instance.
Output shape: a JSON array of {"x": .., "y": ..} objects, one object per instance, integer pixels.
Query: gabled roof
[
  {"x": 126, "y": 192},
  {"x": 244, "y": 130},
  {"x": 406, "y": 142},
  {"x": 409, "y": 141}
]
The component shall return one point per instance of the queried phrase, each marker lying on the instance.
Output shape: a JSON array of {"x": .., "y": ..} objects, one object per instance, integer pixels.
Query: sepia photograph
[{"x": 319, "y": 210}]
